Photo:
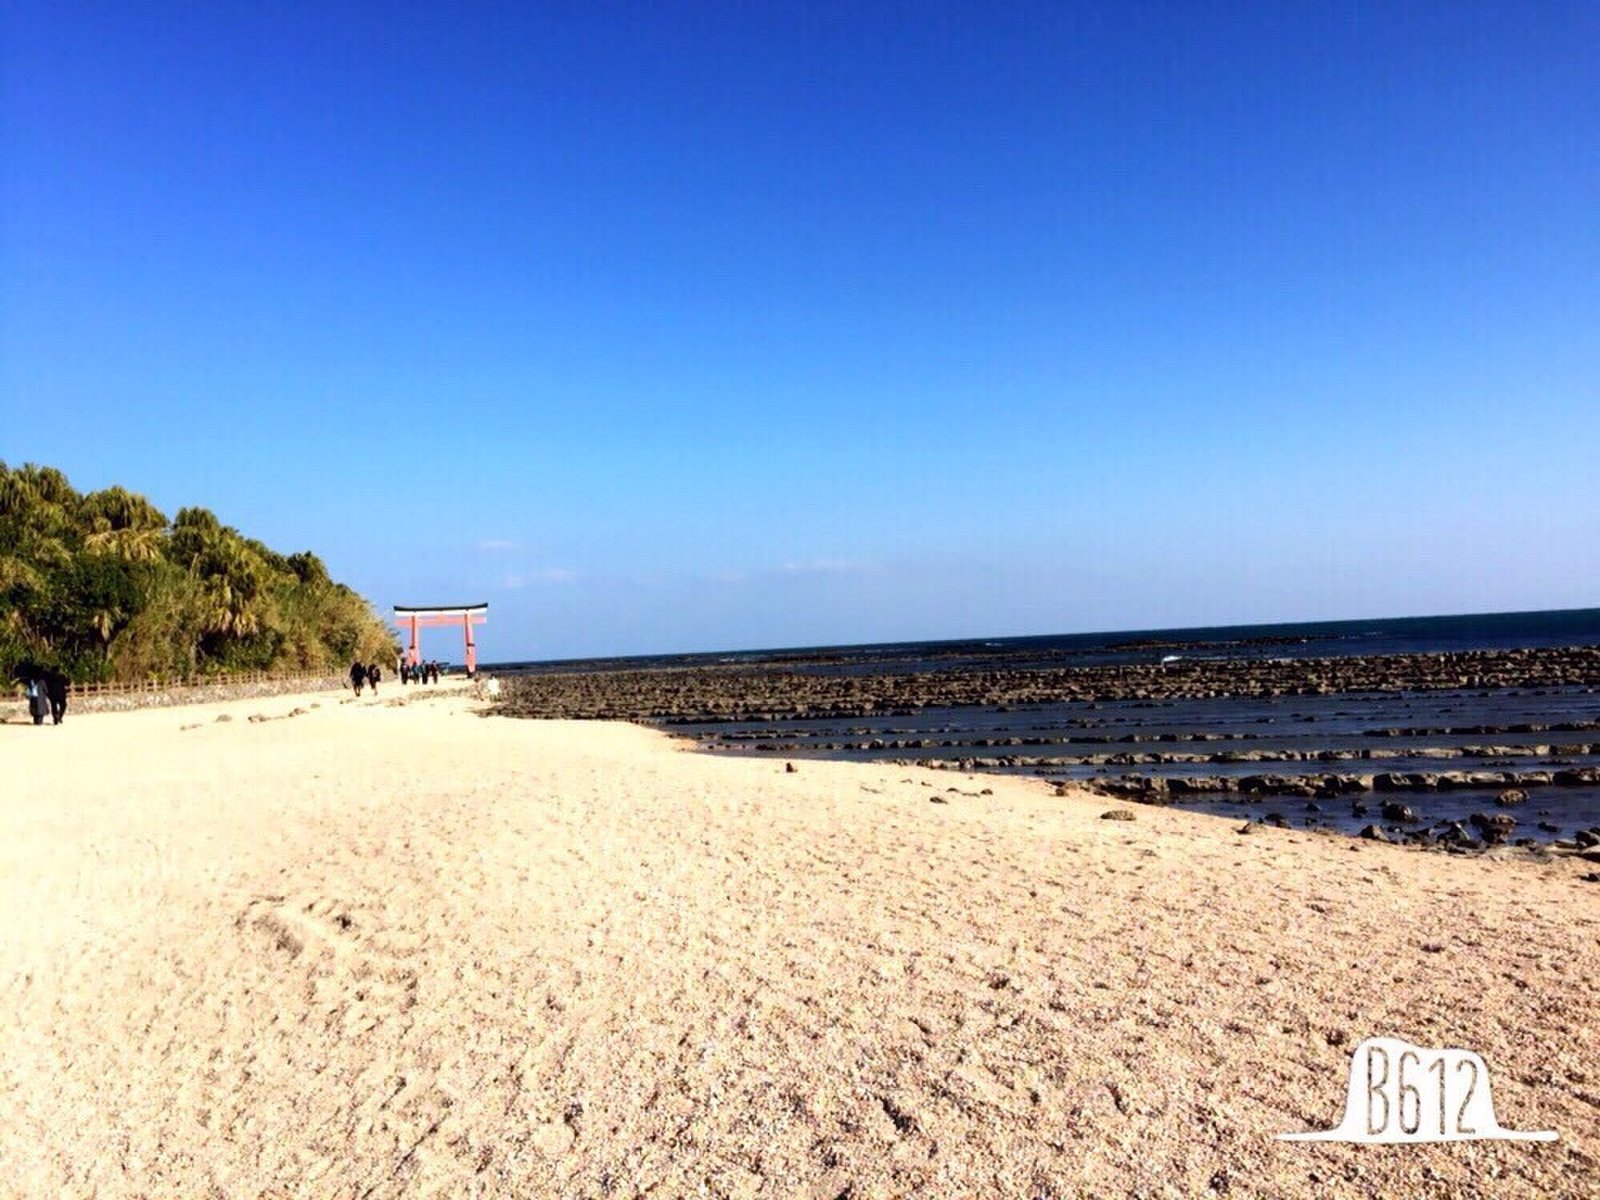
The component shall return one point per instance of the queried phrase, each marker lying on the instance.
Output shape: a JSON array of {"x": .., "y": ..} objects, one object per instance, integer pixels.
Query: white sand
[{"x": 388, "y": 951}]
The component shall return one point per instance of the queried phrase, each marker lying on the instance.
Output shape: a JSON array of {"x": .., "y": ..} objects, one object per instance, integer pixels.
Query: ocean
[{"x": 1315, "y": 639}]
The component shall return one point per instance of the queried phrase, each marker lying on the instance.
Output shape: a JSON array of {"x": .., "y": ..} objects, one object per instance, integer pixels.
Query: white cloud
[
  {"x": 823, "y": 566},
  {"x": 517, "y": 580}
]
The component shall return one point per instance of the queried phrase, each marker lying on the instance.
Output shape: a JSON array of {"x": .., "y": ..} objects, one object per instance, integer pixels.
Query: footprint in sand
[{"x": 360, "y": 974}]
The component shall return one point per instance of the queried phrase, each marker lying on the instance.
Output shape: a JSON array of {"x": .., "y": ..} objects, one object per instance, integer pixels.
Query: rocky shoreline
[
  {"x": 755, "y": 692},
  {"x": 754, "y": 707}
]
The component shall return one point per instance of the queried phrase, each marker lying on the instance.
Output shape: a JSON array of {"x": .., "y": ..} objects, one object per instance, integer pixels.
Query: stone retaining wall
[{"x": 205, "y": 693}]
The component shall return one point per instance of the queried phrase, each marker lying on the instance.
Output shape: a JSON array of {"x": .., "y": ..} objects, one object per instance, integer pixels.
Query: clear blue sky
[{"x": 699, "y": 326}]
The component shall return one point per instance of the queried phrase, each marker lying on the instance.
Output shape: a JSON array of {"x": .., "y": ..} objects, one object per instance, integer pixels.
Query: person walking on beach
[
  {"x": 373, "y": 675},
  {"x": 38, "y": 704},
  {"x": 358, "y": 676},
  {"x": 55, "y": 690}
]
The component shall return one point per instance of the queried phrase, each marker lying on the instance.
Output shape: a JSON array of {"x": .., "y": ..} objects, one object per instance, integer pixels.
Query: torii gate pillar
[{"x": 411, "y": 619}]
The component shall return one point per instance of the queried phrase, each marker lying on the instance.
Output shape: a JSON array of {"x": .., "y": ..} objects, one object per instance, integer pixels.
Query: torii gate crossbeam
[{"x": 465, "y": 616}]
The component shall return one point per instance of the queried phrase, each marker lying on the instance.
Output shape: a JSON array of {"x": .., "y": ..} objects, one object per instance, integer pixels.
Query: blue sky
[{"x": 701, "y": 326}]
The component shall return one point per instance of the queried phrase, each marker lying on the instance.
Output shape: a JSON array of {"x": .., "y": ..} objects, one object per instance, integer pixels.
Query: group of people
[
  {"x": 365, "y": 675},
  {"x": 422, "y": 672},
  {"x": 46, "y": 693},
  {"x": 362, "y": 676}
]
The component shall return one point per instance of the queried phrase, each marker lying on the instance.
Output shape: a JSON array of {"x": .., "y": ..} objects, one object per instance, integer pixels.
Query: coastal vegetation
[{"x": 102, "y": 586}]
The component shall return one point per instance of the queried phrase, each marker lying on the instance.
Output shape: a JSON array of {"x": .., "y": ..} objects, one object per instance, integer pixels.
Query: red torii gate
[{"x": 464, "y": 615}]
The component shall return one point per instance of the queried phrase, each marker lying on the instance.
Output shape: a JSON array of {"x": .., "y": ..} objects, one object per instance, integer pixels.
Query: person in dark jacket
[
  {"x": 373, "y": 675},
  {"x": 358, "y": 677},
  {"x": 55, "y": 689}
]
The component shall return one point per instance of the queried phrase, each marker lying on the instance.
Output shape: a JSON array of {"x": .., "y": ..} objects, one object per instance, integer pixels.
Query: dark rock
[
  {"x": 1510, "y": 797},
  {"x": 1374, "y": 834},
  {"x": 1403, "y": 813},
  {"x": 1117, "y": 814},
  {"x": 1504, "y": 822}
]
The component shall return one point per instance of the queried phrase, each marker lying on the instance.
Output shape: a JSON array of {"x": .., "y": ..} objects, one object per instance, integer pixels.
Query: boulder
[
  {"x": 1402, "y": 813},
  {"x": 1510, "y": 797}
]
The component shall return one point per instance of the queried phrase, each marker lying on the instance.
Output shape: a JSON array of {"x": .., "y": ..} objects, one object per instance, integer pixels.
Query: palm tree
[{"x": 124, "y": 525}]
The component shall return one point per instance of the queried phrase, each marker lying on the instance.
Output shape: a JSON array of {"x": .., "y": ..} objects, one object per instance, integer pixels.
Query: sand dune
[{"x": 382, "y": 951}]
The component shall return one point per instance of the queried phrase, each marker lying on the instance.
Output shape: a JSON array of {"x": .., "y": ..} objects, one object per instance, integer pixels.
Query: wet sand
[{"x": 381, "y": 951}]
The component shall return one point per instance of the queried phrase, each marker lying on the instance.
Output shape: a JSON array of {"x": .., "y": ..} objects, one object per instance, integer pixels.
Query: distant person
[
  {"x": 55, "y": 690},
  {"x": 433, "y": 671},
  {"x": 38, "y": 702},
  {"x": 358, "y": 676},
  {"x": 373, "y": 675}
]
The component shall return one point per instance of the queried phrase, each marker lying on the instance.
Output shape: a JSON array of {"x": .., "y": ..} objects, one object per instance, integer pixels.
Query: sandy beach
[{"x": 385, "y": 950}]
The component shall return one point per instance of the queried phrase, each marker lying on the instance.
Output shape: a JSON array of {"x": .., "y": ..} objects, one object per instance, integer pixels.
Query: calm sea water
[{"x": 1322, "y": 639}]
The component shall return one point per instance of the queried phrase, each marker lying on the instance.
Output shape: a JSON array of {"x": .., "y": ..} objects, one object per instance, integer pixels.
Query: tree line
[{"x": 102, "y": 586}]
